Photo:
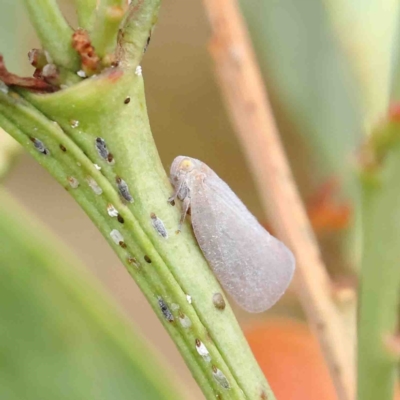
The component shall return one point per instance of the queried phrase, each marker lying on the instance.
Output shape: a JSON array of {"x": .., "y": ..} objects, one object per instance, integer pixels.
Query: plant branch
[
  {"x": 84, "y": 112},
  {"x": 64, "y": 294},
  {"x": 9, "y": 149},
  {"x": 368, "y": 37},
  {"x": 85, "y": 10},
  {"x": 378, "y": 335},
  {"x": 141, "y": 17},
  {"x": 54, "y": 32},
  {"x": 109, "y": 15},
  {"x": 250, "y": 110},
  {"x": 62, "y": 131}
]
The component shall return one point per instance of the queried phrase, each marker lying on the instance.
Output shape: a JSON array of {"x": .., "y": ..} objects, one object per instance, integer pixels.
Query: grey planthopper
[{"x": 253, "y": 267}]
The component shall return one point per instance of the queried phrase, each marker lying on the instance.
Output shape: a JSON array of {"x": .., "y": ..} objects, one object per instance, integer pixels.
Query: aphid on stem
[
  {"x": 39, "y": 146},
  {"x": 124, "y": 189},
  {"x": 165, "y": 310},
  {"x": 159, "y": 226}
]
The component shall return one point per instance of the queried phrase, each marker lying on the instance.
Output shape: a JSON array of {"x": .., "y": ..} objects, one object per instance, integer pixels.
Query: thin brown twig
[
  {"x": 250, "y": 110},
  {"x": 30, "y": 83}
]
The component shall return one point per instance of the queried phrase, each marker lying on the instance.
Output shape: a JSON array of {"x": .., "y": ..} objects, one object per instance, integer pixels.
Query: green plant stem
[
  {"x": 109, "y": 14},
  {"x": 63, "y": 294},
  {"x": 380, "y": 276},
  {"x": 137, "y": 28},
  {"x": 85, "y": 10},
  {"x": 368, "y": 37},
  {"x": 9, "y": 149},
  {"x": 177, "y": 266},
  {"x": 112, "y": 106},
  {"x": 54, "y": 32}
]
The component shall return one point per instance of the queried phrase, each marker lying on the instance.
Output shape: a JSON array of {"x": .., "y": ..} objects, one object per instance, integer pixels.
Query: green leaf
[
  {"x": 60, "y": 335},
  {"x": 380, "y": 274}
]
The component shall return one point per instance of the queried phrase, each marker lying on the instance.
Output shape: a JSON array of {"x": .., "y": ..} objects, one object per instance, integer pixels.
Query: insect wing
[{"x": 253, "y": 267}]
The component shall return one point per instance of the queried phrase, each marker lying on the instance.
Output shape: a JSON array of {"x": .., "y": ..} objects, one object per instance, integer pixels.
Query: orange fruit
[{"x": 290, "y": 357}]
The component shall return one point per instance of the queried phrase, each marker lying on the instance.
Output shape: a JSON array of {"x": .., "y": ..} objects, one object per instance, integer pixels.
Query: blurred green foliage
[
  {"x": 316, "y": 101},
  {"x": 310, "y": 83},
  {"x": 60, "y": 335}
]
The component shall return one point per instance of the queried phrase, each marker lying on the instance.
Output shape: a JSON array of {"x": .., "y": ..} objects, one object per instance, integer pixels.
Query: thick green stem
[
  {"x": 9, "y": 149},
  {"x": 368, "y": 33},
  {"x": 98, "y": 108},
  {"x": 71, "y": 310},
  {"x": 380, "y": 274},
  {"x": 54, "y": 32},
  {"x": 66, "y": 132},
  {"x": 109, "y": 14},
  {"x": 136, "y": 30},
  {"x": 169, "y": 268},
  {"x": 85, "y": 10}
]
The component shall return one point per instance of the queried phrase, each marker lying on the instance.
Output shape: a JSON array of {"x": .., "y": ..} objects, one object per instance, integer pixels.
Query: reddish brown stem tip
[{"x": 30, "y": 83}]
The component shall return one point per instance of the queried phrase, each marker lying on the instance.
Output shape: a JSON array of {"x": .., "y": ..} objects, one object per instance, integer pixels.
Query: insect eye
[{"x": 186, "y": 165}]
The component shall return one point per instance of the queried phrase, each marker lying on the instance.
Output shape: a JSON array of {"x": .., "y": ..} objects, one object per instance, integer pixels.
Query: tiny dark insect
[
  {"x": 39, "y": 146},
  {"x": 123, "y": 189},
  {"x": 101, "y": 148},
  {"x": 159, "y": 226},
  {"x": 165, "y": 310}
]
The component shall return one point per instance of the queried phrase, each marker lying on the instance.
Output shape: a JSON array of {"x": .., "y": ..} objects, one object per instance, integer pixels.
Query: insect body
[{"x": 253, "y": 267}]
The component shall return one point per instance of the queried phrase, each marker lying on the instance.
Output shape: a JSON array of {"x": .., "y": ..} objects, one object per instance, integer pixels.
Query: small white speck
[
  {"x": 185, "y": 321},
  {"x": 175, "y": 307},
  {"x": 74, "y": 123},
  {"x": 202, "y": 350},
  {"x": 116, "y": 236},
  {"x": 97, "y": 167},
  {"x": 94, "y": 186},
  {"x": 48, "y": 57},
  {"x": 112, "y": 211},
  {"x": 63, "y": 86},
  {"x": 138, "y": 70},
  {"x": 57, "y": 125},
  {"x": 49, "y": 71},
  {"x": 220, "y": 377},
  {"x": 189, "y": 299},
  {"x": 3, "y": 87},
  {"x": 74, "y": 183},
  {"x": 81, "y": 73}
]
